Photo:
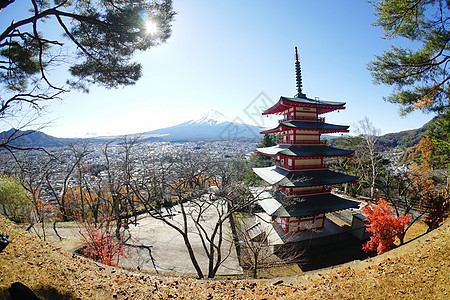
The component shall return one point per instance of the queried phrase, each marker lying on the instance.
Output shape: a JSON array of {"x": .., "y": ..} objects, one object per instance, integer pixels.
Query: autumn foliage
[
  {"x": 384, "y": 225},
  {"x": 101, "y": 245},
  {"x": 438, "y": 207},
  {"x": 431, "y": 183}
]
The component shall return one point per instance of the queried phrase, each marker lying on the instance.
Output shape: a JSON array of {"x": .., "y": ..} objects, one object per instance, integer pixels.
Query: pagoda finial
[{"x": 298, "y": 76}]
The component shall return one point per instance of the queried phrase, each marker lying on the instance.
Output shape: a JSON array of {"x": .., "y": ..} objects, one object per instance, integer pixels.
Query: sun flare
[{"x": 151, "y": 27}]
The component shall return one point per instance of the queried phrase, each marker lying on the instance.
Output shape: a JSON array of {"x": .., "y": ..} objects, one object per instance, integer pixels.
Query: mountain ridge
[{"x": 212, "y": 126}]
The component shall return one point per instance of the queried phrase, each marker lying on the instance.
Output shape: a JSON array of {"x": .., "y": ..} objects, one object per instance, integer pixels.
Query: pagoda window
[
  {"x": 319, "y": 221},
  {"x": 282, "y": 161},
  {"x": 308, "y": 162},
  {"x": 307, "y": 137},
  {"x": 290, "y": 162},
  {"x": 307, "y": 132},
  {"x": 305, "y": 114},
  {"x": 309, "y": 190}
]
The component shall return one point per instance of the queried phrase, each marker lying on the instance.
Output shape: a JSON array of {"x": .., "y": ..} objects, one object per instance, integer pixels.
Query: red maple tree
[
  {"x": 384, "y": 225},
  {"x": 101, "y": 245}
]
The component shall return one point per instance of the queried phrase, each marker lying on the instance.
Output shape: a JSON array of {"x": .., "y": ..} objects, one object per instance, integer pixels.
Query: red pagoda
[{"x": 302, "y": 182}]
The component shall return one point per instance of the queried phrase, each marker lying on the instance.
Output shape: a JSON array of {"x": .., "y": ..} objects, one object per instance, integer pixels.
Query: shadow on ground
[
  {"x": 43, "y": 293},
  {"x": 345, "y": 250}
]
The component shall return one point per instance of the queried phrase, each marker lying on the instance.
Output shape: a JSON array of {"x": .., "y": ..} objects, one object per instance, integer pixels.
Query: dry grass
[
  {"x": 417, "y": 270},
  {"x": 417, "y": 229}
]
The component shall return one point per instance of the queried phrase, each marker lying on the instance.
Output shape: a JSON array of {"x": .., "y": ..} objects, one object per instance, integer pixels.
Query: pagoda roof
[
  {"x": 281, "y": 177},
  {"x": 322, "y": 106},
  {"x": 304, "y": 151},
  {"x": 321, "y": 126},
  {"x": 278, "y": 205}
]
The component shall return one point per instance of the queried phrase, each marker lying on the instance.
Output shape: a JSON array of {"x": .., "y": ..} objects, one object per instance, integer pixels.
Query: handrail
[
  {"x": 301, "y": 142},
  {"x": 309, "y": 192},
  {"x": 293, "y": 118},
  {"x": 301, "y": 167}
]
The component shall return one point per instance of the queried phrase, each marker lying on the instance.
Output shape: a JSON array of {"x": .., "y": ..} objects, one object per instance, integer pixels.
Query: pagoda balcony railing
[
  {"x": 312, "y": 119},
  {"x": 301, "y": 142},
  {"x": 306, "y": 193},
  {"x": 301, "y": 167}
]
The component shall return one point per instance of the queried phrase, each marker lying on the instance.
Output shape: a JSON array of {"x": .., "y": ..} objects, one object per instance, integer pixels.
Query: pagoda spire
[{"x": 298, "y": 76}]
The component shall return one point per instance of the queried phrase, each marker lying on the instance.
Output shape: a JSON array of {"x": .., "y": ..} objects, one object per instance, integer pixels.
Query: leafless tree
[
  {"x": 370, "y": 135},
  {"x": 257, "y": 250},
  {"x": 185, "y": 181},
  {"x": 59, "y": 178},
  {"x": 114, "y": 184},
  {"x": 31, "y": 172}
]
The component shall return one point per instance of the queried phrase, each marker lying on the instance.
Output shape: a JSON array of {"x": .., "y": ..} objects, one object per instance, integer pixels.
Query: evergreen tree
[
  {"x": 420, "y": 76},
  {"x": 98, "y": 41}
]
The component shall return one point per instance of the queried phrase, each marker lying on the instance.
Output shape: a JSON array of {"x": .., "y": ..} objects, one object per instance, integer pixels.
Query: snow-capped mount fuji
[
  {"x": 212, "y": 117},
  {"x": 211, "y": 126}
]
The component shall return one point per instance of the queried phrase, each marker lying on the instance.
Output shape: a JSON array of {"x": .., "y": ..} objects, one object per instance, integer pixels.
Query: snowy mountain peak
[{"x": 212, "y": 117}]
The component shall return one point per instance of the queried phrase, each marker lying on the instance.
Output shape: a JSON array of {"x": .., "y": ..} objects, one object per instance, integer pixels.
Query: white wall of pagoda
[
  {"x": 297, "y": 136},
  {"x": 292, "y": 225},
  {"x": 310, "y": 190},
  {"x": 300, "y": 114},
  {"x": 291, "y": 163}
]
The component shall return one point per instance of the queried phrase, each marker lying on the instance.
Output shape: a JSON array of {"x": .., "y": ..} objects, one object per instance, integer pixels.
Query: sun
[{"x": 151, "y": 27}]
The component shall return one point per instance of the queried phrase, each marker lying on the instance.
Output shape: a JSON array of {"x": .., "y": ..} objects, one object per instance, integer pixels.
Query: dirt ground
[{"x": 418, "y": 270}]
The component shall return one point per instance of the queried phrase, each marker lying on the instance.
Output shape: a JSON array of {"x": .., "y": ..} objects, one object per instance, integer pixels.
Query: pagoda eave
[
  {"x": 279, "y": 129},
  {"x": 304, "y": 151},
  {"x": 277, "y": 205},
  {"x": 306, "y": 126},
  {"x": 285, "y": 178},
  {"x": 321, "y": 106},
  {"x": 302, "y": 157}
]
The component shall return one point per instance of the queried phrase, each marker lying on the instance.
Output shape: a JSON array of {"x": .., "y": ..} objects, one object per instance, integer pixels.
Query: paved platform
[{"x": 168, "y": 250}]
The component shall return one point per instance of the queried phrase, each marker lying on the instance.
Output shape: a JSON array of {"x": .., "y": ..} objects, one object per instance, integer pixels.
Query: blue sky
[{"x": 223, "y": 54}]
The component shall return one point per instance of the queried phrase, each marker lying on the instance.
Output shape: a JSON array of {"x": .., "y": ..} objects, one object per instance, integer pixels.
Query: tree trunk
[
  {"x": 255, "y": 265},
  {"x": 54, "y": 228},
  {"x": 192, "y": 256},
  {"x": 62, "y": 209},
  {"x": 43, "y": 229}
]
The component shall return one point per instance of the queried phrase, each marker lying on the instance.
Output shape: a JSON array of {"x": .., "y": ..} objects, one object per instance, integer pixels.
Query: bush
[
  {"x": 384, "y": 225},
  {"x": 14, "y": 200},
  {"x": 101, "y": 245}
]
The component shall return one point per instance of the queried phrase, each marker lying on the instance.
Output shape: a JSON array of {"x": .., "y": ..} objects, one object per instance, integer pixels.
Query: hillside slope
[
  {"x": 404, "y": 139},
  {"x": 31, "y": 138},
  {"x": 418, "y": 270}
]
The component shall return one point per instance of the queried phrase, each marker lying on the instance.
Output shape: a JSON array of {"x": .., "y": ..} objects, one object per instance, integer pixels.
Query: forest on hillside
[{"x": 403, "y": 139}]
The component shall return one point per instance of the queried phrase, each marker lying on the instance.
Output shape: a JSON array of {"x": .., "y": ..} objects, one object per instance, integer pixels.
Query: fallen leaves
[{"x": 421, "y": 272}]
